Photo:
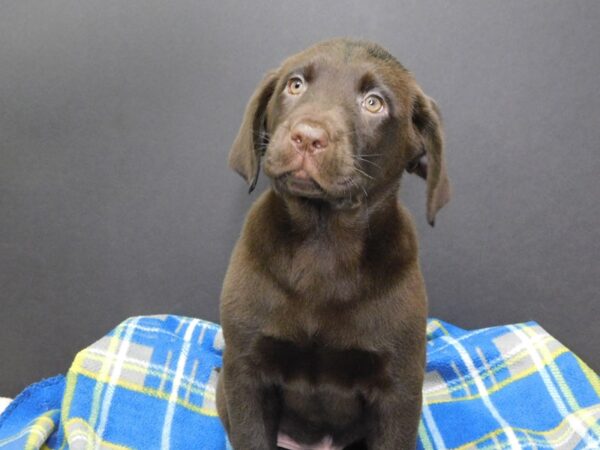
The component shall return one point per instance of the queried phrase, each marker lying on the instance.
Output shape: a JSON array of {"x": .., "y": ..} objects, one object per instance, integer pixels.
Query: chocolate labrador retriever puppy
[{"x": 323, "y": 306}]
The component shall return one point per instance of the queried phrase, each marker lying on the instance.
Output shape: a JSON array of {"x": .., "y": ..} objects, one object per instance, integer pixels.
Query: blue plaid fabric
[
  {"x": 506, "y": 387},
  {"x": 150, "y": 384}
]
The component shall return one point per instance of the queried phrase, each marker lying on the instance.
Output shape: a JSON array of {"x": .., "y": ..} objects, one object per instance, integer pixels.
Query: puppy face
[{"x": 338, "y": 122}]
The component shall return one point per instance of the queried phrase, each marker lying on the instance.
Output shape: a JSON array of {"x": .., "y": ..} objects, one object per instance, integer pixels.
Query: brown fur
[{"x": 323, "y": 306}]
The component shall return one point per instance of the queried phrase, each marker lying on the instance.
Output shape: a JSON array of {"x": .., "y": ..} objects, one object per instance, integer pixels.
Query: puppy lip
[
  {"x": 302, "y": 181},
  {"x": 302, "y": 186},
  {"x": 300, "y": 174}
]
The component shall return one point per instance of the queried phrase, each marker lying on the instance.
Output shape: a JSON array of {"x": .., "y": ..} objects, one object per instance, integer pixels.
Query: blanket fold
[{"x": 150, "y": 384}]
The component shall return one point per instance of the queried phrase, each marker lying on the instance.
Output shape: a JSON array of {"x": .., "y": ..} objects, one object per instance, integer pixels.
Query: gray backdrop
[{"x": 116, "y": 118}]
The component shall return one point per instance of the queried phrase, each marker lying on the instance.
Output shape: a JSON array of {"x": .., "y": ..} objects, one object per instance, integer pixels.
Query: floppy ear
[
  {"x": 251, "y": 140},
  {"x": 430, "y": 163}
]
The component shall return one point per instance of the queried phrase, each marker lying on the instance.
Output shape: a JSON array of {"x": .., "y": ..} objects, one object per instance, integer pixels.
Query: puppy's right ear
[{"x": 252, "y": 138}]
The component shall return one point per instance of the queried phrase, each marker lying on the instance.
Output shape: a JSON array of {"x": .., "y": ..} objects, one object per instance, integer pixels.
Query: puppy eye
[
  {"x": 295, "y": 85},
  {"x": 373, "y": 103}
]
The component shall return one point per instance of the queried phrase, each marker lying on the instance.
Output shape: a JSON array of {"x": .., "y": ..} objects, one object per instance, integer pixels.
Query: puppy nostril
[{"x": 318, "y": 144}]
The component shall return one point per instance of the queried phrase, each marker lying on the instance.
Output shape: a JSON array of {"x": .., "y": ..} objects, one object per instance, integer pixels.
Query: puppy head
[{"x": 339, "y": 121}]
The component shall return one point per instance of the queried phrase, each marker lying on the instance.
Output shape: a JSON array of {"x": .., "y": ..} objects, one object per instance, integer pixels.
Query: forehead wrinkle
[
  {"x": 367, "y": 82},
  {"x": 306, "y": 70}
]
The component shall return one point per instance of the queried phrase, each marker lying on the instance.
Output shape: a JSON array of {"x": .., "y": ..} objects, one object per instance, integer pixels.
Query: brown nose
[{"x": 309, "y": 138}]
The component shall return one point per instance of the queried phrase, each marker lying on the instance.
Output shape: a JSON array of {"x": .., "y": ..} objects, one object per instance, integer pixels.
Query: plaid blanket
[{"x": 150, "y": 383}]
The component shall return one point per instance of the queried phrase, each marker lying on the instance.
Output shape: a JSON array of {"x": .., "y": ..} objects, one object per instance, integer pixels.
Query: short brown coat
[{"x": 324, "y": 306}]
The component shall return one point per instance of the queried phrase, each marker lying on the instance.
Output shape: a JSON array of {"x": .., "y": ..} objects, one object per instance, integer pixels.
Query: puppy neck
[{"x": 320, "y": 217}]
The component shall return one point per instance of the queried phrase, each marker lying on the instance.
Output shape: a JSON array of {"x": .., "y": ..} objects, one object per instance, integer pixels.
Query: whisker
[
  {"x": 358, "y": 158},
  {"x": 370, "y": 155},
  {"x": 363, "y": 172}
]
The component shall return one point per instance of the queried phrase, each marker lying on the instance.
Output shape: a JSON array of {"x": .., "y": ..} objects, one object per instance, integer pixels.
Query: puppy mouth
[
  {"x": 342, "y": 192},
  {"x": 301, "y": 184}
]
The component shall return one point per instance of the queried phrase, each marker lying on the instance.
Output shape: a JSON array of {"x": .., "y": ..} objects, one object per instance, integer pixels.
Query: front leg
[
  {"x": 397, "y": 424},
  {"x": 251, "y": 408}
]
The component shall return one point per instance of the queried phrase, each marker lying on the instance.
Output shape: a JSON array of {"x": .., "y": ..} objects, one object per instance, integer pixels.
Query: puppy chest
[{"x": 311, "y": 363}]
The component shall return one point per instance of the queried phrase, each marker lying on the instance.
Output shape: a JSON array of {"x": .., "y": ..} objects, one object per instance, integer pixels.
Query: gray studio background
[{"x": 116, "y": 119}]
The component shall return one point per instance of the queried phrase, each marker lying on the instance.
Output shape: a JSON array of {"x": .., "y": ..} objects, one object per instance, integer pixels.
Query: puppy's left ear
[
  {"x": 251, "y": 140},
  {"x": 429, "y": 163}
]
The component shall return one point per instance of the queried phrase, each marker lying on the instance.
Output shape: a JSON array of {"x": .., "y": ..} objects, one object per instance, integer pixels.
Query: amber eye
[
  {"x": 373, "y": 103},
  {"x": 295, "y": 85}
]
